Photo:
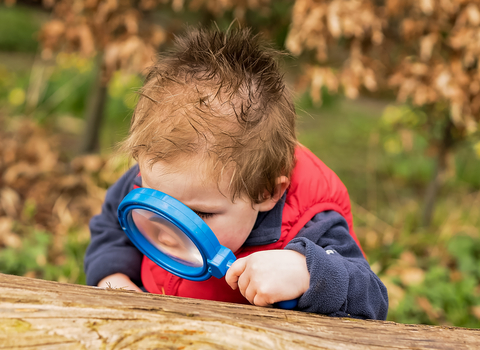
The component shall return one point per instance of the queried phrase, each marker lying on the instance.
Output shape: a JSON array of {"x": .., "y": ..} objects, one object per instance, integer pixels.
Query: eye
[
  {"x": 204, "y": 215},
  {"x": 168, "y": 241}
]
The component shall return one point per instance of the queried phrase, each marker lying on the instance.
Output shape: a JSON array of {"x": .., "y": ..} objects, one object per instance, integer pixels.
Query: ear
[{"x": 281, "y": 185}]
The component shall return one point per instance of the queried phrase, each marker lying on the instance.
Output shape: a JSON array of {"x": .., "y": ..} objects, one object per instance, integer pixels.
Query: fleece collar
[{"x": 268, "y": 227}]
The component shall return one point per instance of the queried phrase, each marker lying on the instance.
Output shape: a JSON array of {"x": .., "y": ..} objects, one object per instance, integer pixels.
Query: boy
[{"x": 214, "y": 127}]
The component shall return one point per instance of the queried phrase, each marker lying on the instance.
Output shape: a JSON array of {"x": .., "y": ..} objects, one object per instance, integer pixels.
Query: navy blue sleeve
[
  {"x": 110, "y": 251},
  {"x": 341, "y": 281}
]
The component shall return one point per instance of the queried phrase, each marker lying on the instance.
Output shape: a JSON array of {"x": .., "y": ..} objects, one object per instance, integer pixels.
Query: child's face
[{"x": 231, "y": 222}]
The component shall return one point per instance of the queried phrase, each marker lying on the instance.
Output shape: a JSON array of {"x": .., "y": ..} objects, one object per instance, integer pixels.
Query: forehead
[{"x": 186, "y": 177}]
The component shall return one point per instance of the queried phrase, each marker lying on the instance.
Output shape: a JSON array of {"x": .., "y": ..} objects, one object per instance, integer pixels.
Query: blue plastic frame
[{"x": 217, "y": 258}]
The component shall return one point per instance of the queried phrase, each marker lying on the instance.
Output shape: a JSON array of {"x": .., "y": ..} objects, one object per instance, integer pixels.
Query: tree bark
[
  {"x": 436, "y": 182},
  {"x": 49, "y": 315}
]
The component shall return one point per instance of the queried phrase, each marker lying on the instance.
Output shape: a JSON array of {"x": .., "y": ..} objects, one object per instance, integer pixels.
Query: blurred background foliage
[{"x": 387, "y": 151}]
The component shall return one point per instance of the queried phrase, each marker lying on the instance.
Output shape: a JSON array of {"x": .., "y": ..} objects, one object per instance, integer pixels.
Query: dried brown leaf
[
  {"x": 411, "y": 276},
  {"x": 9, "y": 201},
  {"x": 476, "y": 311},
  {"x": 473, "y": 14},
  {"x": 427, "y": 43},
  {"x": 427, "y": 6}
]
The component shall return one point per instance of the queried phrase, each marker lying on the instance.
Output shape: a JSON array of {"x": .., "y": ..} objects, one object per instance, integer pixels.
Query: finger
[
  {"x": 250, "y": 294},
  {"x": 243, "y": 283},
  {"x": 258, "y": 295},
  {"x": 234, "y": 272},
  {"x": 260, "y": 300}
]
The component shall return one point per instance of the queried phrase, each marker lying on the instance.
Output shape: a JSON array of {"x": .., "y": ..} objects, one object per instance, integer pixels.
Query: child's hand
[
  {"x": 270, "y": 276},
  {"x": 118, "y": 281}
]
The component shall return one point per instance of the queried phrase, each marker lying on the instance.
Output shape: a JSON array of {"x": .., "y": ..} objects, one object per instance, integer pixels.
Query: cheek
[
  {"x": 232, "y": 232},
  {"x": 234, "y": 238}
]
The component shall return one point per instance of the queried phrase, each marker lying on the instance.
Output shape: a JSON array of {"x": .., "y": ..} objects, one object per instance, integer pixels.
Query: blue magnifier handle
[{"x": 285, "y": 304}]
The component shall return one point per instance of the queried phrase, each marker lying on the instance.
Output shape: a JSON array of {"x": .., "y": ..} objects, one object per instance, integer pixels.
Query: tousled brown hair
[{"x": 220, "y": 95}]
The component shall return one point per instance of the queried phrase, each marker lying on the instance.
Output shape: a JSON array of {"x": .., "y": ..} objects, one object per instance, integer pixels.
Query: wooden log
[{"x": 38, "y": 314}]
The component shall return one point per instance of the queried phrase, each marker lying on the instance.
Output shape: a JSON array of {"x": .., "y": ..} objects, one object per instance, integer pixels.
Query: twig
[{"x": 370, "y": 216}]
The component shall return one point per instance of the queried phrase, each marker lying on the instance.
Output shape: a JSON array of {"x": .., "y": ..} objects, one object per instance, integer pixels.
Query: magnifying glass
[{"x": 171, "y": 235}]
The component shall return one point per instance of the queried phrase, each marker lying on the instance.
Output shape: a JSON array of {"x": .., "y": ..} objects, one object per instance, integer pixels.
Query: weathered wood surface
[{"x": 36, "y": 314}]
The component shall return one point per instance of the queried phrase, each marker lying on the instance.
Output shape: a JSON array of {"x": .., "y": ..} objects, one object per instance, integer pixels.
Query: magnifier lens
[{"x": 167, "y": 238}]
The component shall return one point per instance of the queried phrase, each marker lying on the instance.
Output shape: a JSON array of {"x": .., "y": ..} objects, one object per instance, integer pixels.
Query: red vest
[{"x": 314, "y": 188}]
